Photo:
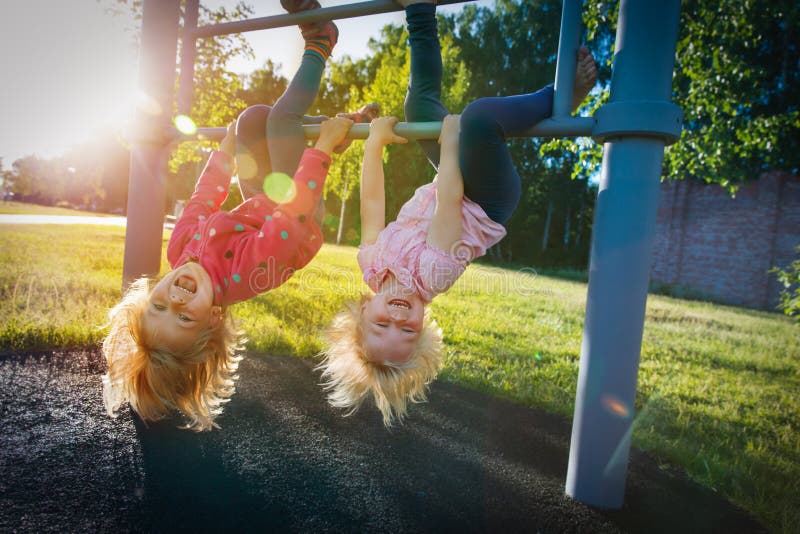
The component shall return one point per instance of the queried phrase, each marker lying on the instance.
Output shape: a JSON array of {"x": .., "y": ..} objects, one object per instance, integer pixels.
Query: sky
[{"x": 68, "y": 66}]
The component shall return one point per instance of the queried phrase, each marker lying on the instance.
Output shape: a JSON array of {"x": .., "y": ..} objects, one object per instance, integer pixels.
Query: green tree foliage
[
  {"x": 217, "y": 96},
  {"x": 512, "y": 49},
  {"x": 789, "y": 278},
  {"x": 92, "y": 175},
  {"x": 263, "y": 86},
  {"x": 737, "y": 81}
]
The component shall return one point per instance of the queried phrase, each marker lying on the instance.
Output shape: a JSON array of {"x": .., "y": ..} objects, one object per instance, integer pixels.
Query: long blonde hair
[
  {"x": 350, "y": 377},
  {"x": 154, "y": 381}
]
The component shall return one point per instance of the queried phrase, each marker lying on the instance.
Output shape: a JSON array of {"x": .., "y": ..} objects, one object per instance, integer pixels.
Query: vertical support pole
[
  {"x": 619, "y": 271},
  {"x": 159, "y": 44},
  {"x": 568, "y": 42},
  {"x": 188, "y": 52}
]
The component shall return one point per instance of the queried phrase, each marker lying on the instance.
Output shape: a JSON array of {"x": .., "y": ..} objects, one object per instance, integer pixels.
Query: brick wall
[{"x": 720, "y": 246}]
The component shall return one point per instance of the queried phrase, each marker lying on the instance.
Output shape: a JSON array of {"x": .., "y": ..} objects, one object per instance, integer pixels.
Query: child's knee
[
  {"x": 252, "y": 152},
  {"x": 477, "y": 116},
  {"x": 251, "y": 125}
]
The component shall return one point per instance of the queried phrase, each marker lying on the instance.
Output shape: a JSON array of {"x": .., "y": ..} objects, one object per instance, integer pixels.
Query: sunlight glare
[
  {"x": 147, "y": 104},
  {"x": 279, "y": 187},
  {"x": 185, "y": 125},
  {"x": 246, "y": 166}
]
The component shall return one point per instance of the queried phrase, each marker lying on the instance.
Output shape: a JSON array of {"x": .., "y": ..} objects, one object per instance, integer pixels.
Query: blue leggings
[
  {"x": 270, "y": 139},
  {"x": 490, "y": 178}
]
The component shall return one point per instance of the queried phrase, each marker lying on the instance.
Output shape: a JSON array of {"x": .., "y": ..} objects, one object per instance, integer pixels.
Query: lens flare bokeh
[
  {"x": 615, "y": 406},
  {"x": 279, "y": 187},
  {"x": 185, "y": 125}
]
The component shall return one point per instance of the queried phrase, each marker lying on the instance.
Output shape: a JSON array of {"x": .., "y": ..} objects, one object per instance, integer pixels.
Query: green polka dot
[
  {"x": 267, "y": 217},
  {"x": 312, "y": 184},
  {"x": 219, "y": 288},
  {"x": 236, "y": 278},
  {"x": 225, "y": 281},
  {"x": 197, "y": 237},
  {"x": 284, "y": 235},
  {"x": 238, "y": 228},
  {"x": 210, "y": 202}
]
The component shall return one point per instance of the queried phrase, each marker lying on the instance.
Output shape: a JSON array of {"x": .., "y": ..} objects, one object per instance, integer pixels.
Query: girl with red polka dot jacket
[{"x": 172, "y": 345}]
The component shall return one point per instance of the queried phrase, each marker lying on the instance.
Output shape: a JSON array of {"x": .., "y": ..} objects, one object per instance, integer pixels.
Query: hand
[
  {"x": 451, "y": 125},
  {"x": 332, "y": 132},
  {"x": 381, "y": 131},
  {"x": 228, "y": 144}
]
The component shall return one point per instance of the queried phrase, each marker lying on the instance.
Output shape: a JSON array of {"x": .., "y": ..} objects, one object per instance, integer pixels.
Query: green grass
[
  {"x": 718, "y": 391},
  {"x": 22, "y": 207}
]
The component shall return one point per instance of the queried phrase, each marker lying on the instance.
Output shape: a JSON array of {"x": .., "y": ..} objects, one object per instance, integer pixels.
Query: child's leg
[
  {"x": 423, "y": 98},
  {"x": 252, "y": 154},
  {"x": 490, "y": 178},
  {"x": 284, "y": 126}
]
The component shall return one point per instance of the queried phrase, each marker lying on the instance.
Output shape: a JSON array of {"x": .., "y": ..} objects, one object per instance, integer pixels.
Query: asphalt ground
[{"x": 284, "y": 461}]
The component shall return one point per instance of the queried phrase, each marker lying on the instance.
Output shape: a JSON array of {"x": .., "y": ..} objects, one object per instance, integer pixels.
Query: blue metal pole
[
  {"x": 568, "y": 42},
  {"x": 634, "y": 126},
  {"x": 159, "y": 44}
]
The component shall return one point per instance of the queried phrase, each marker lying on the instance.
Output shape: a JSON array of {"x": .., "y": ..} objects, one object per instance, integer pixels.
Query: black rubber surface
[{"x": 286, "y": 462}]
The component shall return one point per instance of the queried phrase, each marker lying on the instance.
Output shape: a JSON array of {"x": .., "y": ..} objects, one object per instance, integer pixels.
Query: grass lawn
[
  {"x": 719, "y": 387},
  {"x": 22, "y": 207}
]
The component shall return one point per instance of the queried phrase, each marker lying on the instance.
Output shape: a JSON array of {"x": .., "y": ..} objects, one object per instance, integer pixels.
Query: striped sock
[{"x": 318, "y": 47}]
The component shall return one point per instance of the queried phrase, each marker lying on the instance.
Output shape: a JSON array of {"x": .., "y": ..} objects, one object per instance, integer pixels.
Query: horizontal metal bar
[
  {"x": 570, "y": 127},
  {"x": 372, "y": 7}
]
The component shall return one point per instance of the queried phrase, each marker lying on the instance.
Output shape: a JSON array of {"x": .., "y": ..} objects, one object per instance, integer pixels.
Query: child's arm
[
  {"x": 288, "y": 238},
  {"x": 373, "y": 196},
  {"x": 446, "y": 225},
  {"x": 308, "y": 190},
  {"x": 209, "y": 194}
]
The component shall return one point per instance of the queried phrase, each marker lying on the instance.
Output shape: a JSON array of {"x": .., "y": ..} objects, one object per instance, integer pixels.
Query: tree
[
  {"x": 264, "y": 85},
  {"x": 509, "y": 50},
  {"x": 737, "y": 81},
  {"x": 789, "y": 278},
  {"x": 217, "y": 97}
]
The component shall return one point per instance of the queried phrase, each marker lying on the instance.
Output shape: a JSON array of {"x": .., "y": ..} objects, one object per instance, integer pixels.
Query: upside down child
[
  {"x": 172, "y": 343},
  {"x": 386, "y": 346}
]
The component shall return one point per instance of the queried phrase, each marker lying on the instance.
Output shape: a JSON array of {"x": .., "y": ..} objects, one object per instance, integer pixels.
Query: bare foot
[
  {"x": 585, "y": 76},
  {"x": 406, "y": 3}
]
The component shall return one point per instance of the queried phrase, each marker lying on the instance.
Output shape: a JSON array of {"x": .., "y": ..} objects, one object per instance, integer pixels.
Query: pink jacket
[
  {"x": 260, "y": 244},
  {"x": 402, "y": 249}
]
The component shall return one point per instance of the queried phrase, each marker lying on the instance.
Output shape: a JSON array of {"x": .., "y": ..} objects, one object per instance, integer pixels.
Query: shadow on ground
[{"x": 284, "y": 461}]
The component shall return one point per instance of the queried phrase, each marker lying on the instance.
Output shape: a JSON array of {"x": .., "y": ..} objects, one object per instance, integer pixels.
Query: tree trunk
[
  {"x": 547, "y": 224},
  {"x": 341, "y": 214},
  {"x": 566, "y": 228}
]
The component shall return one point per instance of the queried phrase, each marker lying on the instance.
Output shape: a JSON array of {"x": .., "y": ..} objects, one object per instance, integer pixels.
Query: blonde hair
[
  {"x": 154, "y": 381},
  {"x": 349, "y": 376}
]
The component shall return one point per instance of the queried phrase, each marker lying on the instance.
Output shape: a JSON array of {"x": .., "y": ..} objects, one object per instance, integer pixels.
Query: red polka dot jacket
[{"x": 258, "y": 245}]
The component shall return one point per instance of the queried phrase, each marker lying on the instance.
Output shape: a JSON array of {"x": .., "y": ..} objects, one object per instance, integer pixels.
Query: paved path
[
  {"x": 25, "y": 218},
  {"x": 284, "y": 461}
]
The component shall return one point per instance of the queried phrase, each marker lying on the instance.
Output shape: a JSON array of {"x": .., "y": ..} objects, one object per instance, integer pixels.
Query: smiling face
[
  {"x": 391, "y": 323},
  {"x": 180, "y": 308}
]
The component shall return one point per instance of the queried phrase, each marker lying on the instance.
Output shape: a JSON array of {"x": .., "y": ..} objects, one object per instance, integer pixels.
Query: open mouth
[
  {"x": 400, "y": 303},
  {"x": 186, "y": 284}
]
